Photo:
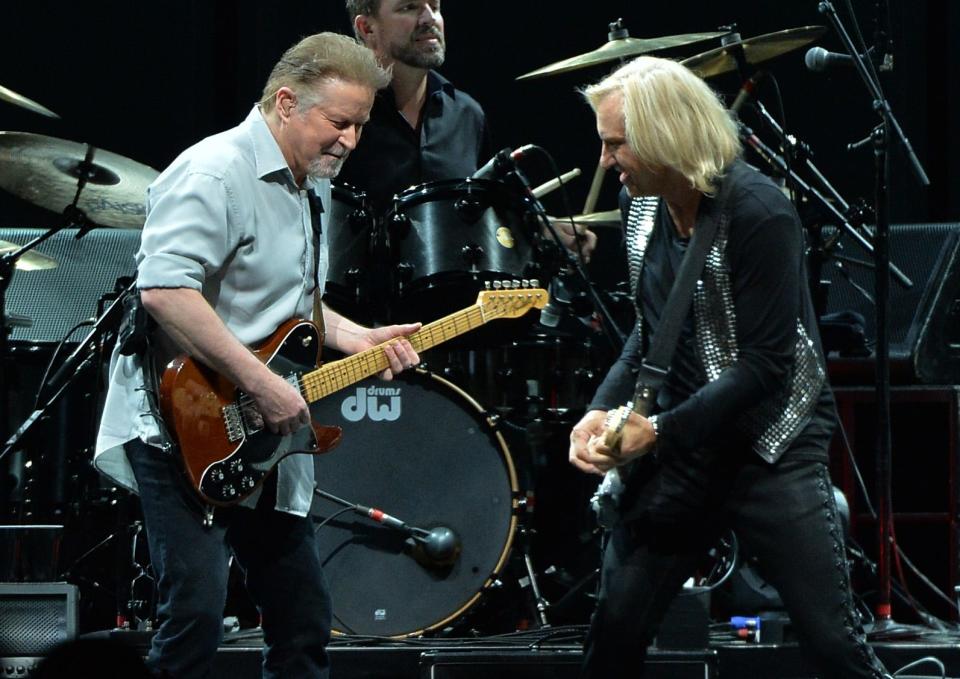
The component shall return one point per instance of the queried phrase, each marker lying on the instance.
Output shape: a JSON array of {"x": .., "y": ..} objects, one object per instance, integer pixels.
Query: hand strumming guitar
[{"x": 590, "y": 452}]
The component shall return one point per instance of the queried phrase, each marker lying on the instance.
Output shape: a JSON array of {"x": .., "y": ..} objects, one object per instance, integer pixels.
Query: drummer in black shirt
[{"x": 421, "y": 128}]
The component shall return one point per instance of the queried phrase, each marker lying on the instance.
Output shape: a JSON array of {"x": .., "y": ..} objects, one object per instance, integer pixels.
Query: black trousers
[
  {"x": 784, "y": 515},
  {"x": 277, "y": 552}
]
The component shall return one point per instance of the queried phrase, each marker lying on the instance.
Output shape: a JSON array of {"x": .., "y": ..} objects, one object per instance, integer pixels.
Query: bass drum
[{"x": 419, "y": 449}]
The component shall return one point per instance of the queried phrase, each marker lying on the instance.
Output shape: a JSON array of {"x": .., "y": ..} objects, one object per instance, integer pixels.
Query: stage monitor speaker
[
  {"x": 924, "y": 321},
  {"x": 549, "y": 663},
  {"x": 57, "y": 299},
  {"x": 36, "y": 616}
]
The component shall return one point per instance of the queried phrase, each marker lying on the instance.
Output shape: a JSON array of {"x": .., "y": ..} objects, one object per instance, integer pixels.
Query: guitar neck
[{"x": 340, "y": 374}]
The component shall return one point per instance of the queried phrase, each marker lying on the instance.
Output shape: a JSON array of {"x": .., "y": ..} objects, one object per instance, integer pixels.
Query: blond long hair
[{"x": 672, "y": 119}]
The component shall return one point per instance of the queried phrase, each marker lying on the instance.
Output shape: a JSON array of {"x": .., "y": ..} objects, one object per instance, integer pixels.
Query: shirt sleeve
[
  {"x": 187, "y": 235},
  {"x": 765, "y": 253}
]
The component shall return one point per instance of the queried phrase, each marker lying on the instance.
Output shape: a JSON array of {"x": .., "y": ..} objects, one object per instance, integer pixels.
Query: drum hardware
[
  {"x": 12, "y": 97},
  {"x": 758, "y": 49},
  {"x": 472, "y": 256},
  {"x": 619, "y": 45}
]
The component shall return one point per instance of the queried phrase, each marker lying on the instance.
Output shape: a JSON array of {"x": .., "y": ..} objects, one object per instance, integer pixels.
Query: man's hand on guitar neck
[
  {"x": 590, "y": 454},
  {"x": 344, "y": 335}
]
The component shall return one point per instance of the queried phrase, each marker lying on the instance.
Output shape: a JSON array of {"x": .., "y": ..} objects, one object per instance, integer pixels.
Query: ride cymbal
[
  {"x": 45, "y": 171},
  {"x": 618, "y": 48},
  {"x": 755, "y": 50},
  {"x": 12, "y": 97},
  {"x": 31, "y": 260}
]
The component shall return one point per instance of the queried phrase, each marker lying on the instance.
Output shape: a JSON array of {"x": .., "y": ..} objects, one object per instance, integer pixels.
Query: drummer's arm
[{"x": 575, "y": 237}]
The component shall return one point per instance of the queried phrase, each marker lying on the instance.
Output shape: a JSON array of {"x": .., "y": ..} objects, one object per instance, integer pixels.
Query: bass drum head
[{"x": 420, "y": 450}]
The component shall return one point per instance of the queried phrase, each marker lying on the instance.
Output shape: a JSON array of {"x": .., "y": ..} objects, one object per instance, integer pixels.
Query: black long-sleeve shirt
[
  {"x": 765, "y": 254},
  {"x": 450, "y": 143}
]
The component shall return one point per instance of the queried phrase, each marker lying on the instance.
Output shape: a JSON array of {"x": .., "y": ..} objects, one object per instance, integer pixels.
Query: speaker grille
[
  {"x": 922, "y": 252},
  {"x": 56, "y": 299},
  {"x": 36, "y": 617}
]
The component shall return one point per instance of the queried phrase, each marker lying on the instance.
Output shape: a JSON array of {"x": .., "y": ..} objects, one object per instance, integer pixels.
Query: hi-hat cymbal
[
  {"x": 619, "y": 48},
  {"x": 606, "y": 218},
  {"x": 755, "y": 50},
  {"x": 44, "y": 171},
  {"x": 12, "y": 97},
  {"x": 31, "y": 260}
]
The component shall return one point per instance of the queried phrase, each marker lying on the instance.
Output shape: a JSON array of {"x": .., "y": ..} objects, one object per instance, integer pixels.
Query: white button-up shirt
[{"x": 226, "y": 219}]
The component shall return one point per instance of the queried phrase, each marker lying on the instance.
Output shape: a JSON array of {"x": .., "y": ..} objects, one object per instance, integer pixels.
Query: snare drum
[{"x": 448, "y": 237}]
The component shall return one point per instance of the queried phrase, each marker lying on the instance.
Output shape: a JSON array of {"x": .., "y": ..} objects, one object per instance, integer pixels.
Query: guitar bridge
[{"x": 233, "y": 422}]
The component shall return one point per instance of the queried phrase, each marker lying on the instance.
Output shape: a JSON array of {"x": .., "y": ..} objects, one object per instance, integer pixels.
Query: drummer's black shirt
[{"x": 451, "y": 142}]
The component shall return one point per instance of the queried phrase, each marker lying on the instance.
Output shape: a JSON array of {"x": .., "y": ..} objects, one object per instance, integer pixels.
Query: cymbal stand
[
  {"x": 889, "y": 127},
  {"x": 73, "y": 217}
]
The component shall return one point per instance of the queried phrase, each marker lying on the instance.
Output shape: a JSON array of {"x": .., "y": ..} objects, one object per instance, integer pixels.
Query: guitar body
[{"x": 226, "y": 455}]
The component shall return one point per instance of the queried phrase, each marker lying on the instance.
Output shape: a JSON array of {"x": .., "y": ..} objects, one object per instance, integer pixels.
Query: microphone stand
[
  {"x": 76, "y": 364},
  {"x": 613, "y": 333},
  {"x": 888, "y": 127},
  {"x": 848, "y": 217}
]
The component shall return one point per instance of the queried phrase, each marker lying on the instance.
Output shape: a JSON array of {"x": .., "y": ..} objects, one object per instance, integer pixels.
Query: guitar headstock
[{"x": 511, "y": 299}]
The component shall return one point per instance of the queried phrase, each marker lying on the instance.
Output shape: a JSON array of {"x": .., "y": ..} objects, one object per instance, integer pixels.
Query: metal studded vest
[{"x": 773, "y": 424}]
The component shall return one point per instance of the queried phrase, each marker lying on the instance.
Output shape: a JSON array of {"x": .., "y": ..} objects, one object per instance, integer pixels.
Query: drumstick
[
  {"x": 594, "y": 192},
  {"x": 554, "y": 184}
]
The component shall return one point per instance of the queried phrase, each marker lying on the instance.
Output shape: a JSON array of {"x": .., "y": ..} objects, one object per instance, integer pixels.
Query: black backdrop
[{"x": 145, "y": 80}]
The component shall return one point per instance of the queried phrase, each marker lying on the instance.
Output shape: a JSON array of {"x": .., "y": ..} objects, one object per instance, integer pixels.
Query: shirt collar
[{"x": 266, "y": 150}]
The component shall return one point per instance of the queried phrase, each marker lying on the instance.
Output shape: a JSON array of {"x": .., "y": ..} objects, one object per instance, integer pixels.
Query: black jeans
[
  {"x": 277, "y": 552},
  {"x": 783, "y": 514}
]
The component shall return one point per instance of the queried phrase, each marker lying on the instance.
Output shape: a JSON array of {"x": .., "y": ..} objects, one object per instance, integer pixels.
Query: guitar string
[{"x": 371, "y": 361}]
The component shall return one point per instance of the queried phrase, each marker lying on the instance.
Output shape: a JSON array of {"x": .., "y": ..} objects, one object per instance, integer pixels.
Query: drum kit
[{"x": 440, "y": 431}]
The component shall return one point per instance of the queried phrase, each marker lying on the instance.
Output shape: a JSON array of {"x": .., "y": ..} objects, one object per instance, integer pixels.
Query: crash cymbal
[
  {"x": 618, "y": 48},
  {"x": 44, "y": 171},
  {"x": 12, "y": 97},
  {"x": 31, "y": 260},
  {"x": 755, "y": 50}
]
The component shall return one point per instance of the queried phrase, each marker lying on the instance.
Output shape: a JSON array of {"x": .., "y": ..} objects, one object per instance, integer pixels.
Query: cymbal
[
  {"x": 31, "y": 260},
  {"x": 44, "y": 171},
  {"x": 606, "y": 218},
  {"x": 755, "y": 50},
  {"x": 12, "y": 97},
  {"x": 619, "y": 48}
]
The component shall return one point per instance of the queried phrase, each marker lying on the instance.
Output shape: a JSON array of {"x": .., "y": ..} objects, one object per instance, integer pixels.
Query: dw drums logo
[{"x": 379, "y": 404}]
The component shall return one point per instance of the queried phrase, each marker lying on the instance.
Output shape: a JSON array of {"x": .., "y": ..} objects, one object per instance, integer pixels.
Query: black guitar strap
[{"x": 656, "y": 363}]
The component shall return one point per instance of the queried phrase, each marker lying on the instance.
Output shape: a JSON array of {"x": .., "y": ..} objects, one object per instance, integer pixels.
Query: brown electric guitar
[{"x": 225, "y": 450}]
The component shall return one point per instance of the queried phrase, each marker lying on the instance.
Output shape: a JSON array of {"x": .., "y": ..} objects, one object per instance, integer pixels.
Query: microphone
[
  {"x": 746, "y": 91},
  {"x": 818, "y": 59},
  {"x": 439, "y": 546},
  {"x": 503, "y": 163}
]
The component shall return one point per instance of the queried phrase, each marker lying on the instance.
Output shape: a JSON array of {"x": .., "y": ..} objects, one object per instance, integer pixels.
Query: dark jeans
[
  {"x": 783, "y": 514},
  {"x": 279, "y": 557}
]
